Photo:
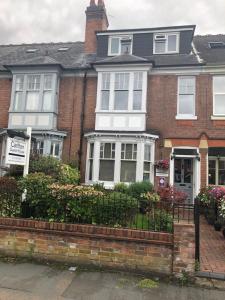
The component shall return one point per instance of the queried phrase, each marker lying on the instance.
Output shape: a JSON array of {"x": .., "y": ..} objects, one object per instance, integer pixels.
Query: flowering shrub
[
  {"x": 172, "y": 194},
  {"x": 162, "y": 164},
  {"x": 222, "y": 209},
  {"x": 204, "y": 195},
  {"x": 217, "y": 193},
  {"x": 151, "y": 197}
]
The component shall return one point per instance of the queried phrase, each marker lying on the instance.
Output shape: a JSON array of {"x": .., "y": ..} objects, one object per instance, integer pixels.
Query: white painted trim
[
  {"x": 124, "y": 68},
  {"x": 144, "y": 31},
  {"x": 119, "y": 135},
  {"x": 218, "y": 117},
  {"x": 130, "y": 91},
  {"x": 186, "y": 116},
  {"x": 166, "y": 41},
  {"x": 120, "y": 37},
  {"x": 216, "y": 93}
]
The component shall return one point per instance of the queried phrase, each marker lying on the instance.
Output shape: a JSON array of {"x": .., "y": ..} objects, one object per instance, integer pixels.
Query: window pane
[
  {"x": 128, "y": 171},
  {"x": 147, "y": 153},
  {"x": 91, "y": 153},
  {"x": 47, "y": 100},
  {"x": 122, "y": 81},
  {"x": 219, "y": 104},
  {"x": 105, "y": 81},
  {"x": 48, "y": 82},
  {"x": 121, "y": 100},
  {"x": 106, "y": 170},
  {"x": 212, "y": 172},
  {"x": 32, "y": 100},
  {"x": 172, "y": 42},
  {"x": 219, "y": 84},
  {"x": 19, "y": 82},
  {"x": 126, "y": 47},
  {"x": 137, "y": 100},
  {"x": 147, "y": 166},
  {"x": 107, "y": 152},
  {"x": 34, "y": 82},
  {"x": 115, "y": 45},
  {"x": 90, "y": 169},
  {"x": 146, "y": 177},
  {"x": 160, "y": 46},
  {"x": 128, "y": 154},
  {"x": 18, "y": 101},
  {"x": 105, "y": 100},
  {"x": 187, "y": 85},
  {"x": 138, "y": 79},
  {"x": 186, "y": 104},
  {"x": 57, "y": 147}
]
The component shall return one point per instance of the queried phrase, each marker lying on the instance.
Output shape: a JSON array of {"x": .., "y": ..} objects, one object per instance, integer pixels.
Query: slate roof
[
  {"x": 75, "y": 58},
  {"x": 211, "y": 56},
  {"x": 124, "y": 58},
  {"x": 46, "y": 54}
]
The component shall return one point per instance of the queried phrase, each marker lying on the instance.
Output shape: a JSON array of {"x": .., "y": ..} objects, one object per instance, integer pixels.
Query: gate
[{"x": 197, "y": 229}]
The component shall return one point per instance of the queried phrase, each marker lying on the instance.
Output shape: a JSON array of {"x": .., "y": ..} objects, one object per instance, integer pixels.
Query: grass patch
[{"x": 148, "y": 284}]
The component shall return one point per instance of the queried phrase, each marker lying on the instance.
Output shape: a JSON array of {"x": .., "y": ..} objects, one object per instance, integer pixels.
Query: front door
[{"x": 183, "y": 176}]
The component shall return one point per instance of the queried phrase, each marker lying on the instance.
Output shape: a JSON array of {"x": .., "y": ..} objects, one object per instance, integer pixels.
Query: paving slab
[{"x": 27, "y": 281}]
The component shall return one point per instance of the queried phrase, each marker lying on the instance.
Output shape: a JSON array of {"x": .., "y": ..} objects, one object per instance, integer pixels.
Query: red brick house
[{"x": 122, "y": 100}]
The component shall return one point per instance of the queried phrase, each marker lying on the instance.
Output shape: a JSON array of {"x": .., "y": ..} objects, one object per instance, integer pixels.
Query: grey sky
[{"x": 23, "y": 21}]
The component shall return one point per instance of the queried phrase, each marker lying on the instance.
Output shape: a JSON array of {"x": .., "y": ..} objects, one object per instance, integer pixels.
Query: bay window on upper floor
[
  {"x": 121, "y": 99},
  {"x": 34, "y": 100},
  {"x": 219, "y": 96},
  {"x": 122, "y": 91},
  {"x": 186, "y": 98}
]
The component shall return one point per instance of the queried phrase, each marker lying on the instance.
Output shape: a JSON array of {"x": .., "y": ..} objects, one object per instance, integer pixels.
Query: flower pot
[{"x": 217, "y": 226}]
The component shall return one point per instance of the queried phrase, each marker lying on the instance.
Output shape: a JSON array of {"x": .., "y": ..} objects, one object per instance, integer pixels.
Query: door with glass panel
[{"x": 183, "y": 176}]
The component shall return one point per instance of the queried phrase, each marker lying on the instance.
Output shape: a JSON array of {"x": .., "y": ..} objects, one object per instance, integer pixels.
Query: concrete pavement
[{"x": 26, "y": 281}]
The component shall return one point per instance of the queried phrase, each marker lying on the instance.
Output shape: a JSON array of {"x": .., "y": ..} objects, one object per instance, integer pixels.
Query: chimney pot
[
  {"x": 92, "y": 3},
  {"x": 101, "y": 3}
]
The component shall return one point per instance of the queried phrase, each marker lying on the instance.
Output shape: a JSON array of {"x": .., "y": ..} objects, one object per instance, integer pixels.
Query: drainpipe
[{"x": 82, "y": 119}]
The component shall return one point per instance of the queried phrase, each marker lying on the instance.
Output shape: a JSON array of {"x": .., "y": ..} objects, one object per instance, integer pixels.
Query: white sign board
[{"x": 16, "y": 151}]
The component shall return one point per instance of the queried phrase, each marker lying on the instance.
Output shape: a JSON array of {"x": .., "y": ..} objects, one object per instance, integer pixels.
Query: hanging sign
[{"x": 16, "y": 151}]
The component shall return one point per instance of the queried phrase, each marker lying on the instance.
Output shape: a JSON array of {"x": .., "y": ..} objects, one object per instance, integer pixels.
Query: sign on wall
[{"x": 16, "y": 151}]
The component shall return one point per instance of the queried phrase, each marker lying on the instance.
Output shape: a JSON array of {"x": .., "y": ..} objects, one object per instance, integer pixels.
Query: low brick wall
[{"x": 124, "y": 249}]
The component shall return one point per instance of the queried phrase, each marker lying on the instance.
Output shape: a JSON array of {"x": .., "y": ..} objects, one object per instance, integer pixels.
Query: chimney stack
[{"x": 96, "y": 20}]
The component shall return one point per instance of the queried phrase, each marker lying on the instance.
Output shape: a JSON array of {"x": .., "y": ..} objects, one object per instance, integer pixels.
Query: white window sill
[
  {"x": 217, "y": 117},
  {"x": 186, "y": 117},
  {"x": 120, "y": 112}
]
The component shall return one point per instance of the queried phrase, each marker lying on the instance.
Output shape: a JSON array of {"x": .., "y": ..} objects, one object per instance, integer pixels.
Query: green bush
[
  {"x": 121, "y": 188},
  {"x": 10, "y": 197},
  {"x": 136, "y": 189},
  {"x": 38, "y": 194},
  {"x": 71, "y": 203},
  {"x": 55, "y": 168},
  {"x": 116, "y": 209}
]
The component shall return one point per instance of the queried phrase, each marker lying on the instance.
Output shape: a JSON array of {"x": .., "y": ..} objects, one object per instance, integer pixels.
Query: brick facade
[
  {"x": 5, "y": 96},
  {"x": 122, "y": 249}
]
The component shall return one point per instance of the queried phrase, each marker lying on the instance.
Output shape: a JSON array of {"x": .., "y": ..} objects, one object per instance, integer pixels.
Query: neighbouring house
[{"x": 122, "y": 100}]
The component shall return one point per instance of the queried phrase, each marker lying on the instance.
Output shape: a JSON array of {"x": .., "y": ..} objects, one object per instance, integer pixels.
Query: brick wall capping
[
  {"x": 183, "y": 224},
  {"x": 88, "y": 231}
]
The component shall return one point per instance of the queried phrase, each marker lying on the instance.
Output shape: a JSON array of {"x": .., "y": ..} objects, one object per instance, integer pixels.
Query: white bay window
[{"x": 119, "y": 158}]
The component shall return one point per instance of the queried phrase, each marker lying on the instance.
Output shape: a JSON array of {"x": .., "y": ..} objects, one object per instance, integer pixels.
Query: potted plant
[
  {"x": 217, "y": 225},
  {"x": 162, "y": 164}
]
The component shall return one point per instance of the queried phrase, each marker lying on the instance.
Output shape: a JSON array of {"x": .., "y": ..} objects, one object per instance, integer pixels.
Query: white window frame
[
  {"x": 40, "y": 91},
  {"x": 166, "y": 42},
  {"x": 120, "y": 37},
  {"x": 214, "y": 93},
  {"x": 130, "y": 92},
  {"x": 117, "y": 167},
  {"x": 216, "y": 168},
  {"x": 186, "y": 116}
]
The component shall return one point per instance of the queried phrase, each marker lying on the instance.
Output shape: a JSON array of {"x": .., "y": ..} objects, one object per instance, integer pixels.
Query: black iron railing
[{"x": 183, "y": 212}]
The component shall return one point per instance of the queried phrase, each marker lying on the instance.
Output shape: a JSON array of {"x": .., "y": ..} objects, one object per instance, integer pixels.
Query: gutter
[{"x": 82, "y": 119}]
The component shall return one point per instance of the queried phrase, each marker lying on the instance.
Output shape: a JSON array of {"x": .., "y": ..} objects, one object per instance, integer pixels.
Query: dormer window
[
  {"x": 120, "y": 45},
  {"x": 166, "y": 43}
]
